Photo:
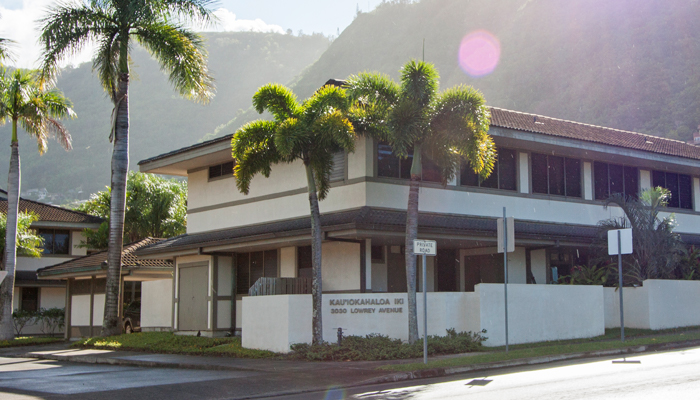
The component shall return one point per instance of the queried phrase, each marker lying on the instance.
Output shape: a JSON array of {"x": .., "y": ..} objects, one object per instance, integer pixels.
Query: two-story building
[
  {"x": 552, "y": 175},
  {"x": 62, "y": 231}
]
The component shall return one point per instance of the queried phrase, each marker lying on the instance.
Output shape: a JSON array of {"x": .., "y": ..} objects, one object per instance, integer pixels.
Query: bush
[
  {"x": 51, "y": 319},
  {"x": 379, "y": 347},
  {"x": 21, "y": 318}
]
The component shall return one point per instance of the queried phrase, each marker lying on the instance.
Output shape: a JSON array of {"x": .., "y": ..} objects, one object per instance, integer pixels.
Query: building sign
[
  {"x": 366, "y": 306},
  {"x": 427, "y": 247}
]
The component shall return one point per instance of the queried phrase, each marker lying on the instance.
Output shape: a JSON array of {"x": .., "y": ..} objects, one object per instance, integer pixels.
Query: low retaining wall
[
  {"x": 536, "y": 313},
  {"x": 658, "y": 304}
]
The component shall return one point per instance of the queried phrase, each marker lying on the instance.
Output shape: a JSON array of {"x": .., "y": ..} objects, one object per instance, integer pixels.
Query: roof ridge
[{"x": 590, "y": 125}]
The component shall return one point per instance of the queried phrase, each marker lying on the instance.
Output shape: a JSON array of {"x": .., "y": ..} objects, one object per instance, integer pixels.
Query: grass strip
[
  {"x": 169, "y": 343},
  {"x": 28, "y": 341},
  {"x": 546, "y": 349}
]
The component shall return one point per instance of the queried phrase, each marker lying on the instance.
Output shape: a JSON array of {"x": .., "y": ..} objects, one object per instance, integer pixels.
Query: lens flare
[
  {"x": 335, "y": 394},
  {"x": 479, "y": 53}
]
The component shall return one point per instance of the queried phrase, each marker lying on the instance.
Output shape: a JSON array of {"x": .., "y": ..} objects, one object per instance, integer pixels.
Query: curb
[
  {"x": 438, "y": 372},
  {"x": 134, "y": 363}
]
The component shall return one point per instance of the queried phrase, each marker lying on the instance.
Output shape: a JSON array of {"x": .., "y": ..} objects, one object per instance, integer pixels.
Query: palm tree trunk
[
  {"x": 316, "y": 285},
  {"x": 7, "y": 287},
  {"x": 111, "y": 324},
  {"x": 411, "y": 235}
]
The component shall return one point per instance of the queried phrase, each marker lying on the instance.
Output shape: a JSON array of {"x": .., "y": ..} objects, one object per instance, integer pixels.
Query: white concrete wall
[
  {"x": 50, "y": 297},
  {"x": 80, "y": 310},
  {"x": 540, "y": 312},
  {"x": 673, "y": 304},
  {"x": 587, "y": 181},
  {"x": 644, "y": 179},
  {"x": 538, "y": 265},
  {"x": 32, "y": 264},
  {"x": 276, "y": 322},
  {"x": 156, "y": 303},
  {"x": 658, "y": 304},
  {"x": 360, "y": 163},
  {"x": 76, "y": 239},
  {"x": 524, "y": 171},
  {"x": 340, "y": 266},
  {"x": 636, "y": 302},
  {"x": 288, "y": 262},
  {"x": 99, "y": 310}
]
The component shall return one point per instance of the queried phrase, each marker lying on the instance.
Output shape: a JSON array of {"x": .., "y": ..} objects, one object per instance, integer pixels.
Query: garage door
[{"x": 192, "y": 309}]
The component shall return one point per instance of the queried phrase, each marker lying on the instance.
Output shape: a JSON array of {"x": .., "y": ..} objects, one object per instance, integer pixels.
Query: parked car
[{"x": 132, "y": 317}]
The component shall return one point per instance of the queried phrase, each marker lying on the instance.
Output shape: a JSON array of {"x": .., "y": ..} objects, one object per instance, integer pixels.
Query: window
[
  {"x": 554, "y": 175},
  {"x": 30, "y": 299},
  {"x": 378, "y": 254},
  {"x": 252, "y": 266},
  {"x": 56, "y": 241},
  {"x": 221, "y": 170},
  {"x": 680, "y": 186},
  {"x": 304, "y": 264},
  {"x": 612, "y": 179},
  {"x": 503, "y": 176},
  {"x": 391, "y": 166}
]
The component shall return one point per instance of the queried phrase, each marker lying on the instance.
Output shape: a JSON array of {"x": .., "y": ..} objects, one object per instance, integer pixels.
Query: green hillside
[
  {"x": 625, "y": 64},
  {"x": 160, "y": 120}
]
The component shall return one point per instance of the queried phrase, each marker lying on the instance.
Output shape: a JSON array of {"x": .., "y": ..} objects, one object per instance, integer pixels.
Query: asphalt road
[{"x": 671, "y": 375}]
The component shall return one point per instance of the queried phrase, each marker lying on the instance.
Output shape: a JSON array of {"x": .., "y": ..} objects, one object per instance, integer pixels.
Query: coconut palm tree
[
  {"x": 115, "y": 25},
  {"x": 24, "y": 102},
  {"x": 311, "y": 132},
  {"x": 417, "y": 120}
]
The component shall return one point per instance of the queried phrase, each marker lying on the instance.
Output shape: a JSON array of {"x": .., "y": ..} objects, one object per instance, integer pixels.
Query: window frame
[
  {"x": 495, "y": 173},
  {"x": 249, "y": 257},
  {"x": 624, "y": 168},
  {"x": 221, "y": 171},
  {"x": 44, "y": 231},
  {"x": 564, "y": 174},
  {"x": 678, "y": 183}
]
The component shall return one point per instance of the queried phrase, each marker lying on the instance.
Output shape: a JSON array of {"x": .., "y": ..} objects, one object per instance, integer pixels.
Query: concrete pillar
[
  {"x": 696, "y": 193},
  {"x": 524, "y": 169},
  {"x": 288, "y": 262},
  {"x": 587, "y": 181},
  {"x": 368, "y": 265},
  {"x": 645, "y": 180}
]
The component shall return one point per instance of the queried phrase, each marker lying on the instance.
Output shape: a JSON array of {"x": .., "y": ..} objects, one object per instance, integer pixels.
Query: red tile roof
[
  {"x": 49, "y": 213},
  {"x": 591, "y": 133},
  {"x": 99, "y": 260}
]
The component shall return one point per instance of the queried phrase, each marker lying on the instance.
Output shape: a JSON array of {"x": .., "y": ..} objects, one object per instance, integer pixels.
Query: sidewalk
[{"x": 310, "y": 376}]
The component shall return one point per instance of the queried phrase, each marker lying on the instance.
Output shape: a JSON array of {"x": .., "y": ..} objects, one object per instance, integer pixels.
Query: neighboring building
[
  {"x": 62, "y": 230},
  {"x": 146, "y": 291},
  {"x": 552, "y": 175},
  {"x": 696, "y": 138}
]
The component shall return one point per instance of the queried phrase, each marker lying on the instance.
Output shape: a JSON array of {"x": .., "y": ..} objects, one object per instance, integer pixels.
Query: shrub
[
  {"x": 379, "y": 347},
  {"x": 21, "y": 318},
  {"x": 51, "y": 319}
]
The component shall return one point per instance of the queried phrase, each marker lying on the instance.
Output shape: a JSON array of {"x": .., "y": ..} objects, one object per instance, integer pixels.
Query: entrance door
[
  {"x": 192, "y": 303},
  {"x": 396, "y": 270},
  {"x": 447, "y": 272},
  {"x": 486, "y": 268}
]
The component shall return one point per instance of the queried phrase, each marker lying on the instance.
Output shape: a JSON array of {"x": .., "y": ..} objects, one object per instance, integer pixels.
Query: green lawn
[
  {"x": 168, "y": 343},
  {"x": 633, "y": 337},
  {"x": 28, "y": 341}
]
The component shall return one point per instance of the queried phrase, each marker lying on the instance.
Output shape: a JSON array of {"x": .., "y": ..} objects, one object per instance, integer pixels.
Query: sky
[{"x": 18, "y": 20}]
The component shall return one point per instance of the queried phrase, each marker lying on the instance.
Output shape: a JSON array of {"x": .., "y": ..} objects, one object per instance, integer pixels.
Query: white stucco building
[
  {"x": 552, "y": 175},
  {"x": 62, "y": 230}
]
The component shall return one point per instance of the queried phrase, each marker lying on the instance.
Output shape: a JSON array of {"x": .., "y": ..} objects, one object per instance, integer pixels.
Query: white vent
[{"x": 338, "y": 171}]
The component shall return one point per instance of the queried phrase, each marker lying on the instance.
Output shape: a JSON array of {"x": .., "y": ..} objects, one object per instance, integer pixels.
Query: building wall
[
  {"x": 156, "y": 304},
  {"x": 341, "y": 266}
]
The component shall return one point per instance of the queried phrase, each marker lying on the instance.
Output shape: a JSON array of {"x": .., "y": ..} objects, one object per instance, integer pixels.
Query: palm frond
[
  {"x": 182, "y": 55},
  {"x": 327, "y": 99},
  {"x": 278, "y": 100},
  {"x": 106, "y": 63},
  {"x": 5, "y": 52},
  {"x": 333, "y": 132},
  {"x": 254, "y": 150},
  {"x": 419, "y": 82},
  {"x": 372, "y": 88},
  {"x": 197, "y": 11},
  {"x": 321, "y": 165},
  {"x": 67, "y": 30}
]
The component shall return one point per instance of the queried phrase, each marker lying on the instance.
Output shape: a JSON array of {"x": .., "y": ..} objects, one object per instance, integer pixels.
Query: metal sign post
[
  {"x": 620, "y": 242},
  {"x": 506, "y": 243},
  {"x": 425, "y": 247}
]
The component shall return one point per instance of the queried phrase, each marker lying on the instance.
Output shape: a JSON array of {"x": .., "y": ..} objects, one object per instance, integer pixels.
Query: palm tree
[
  {"x": 311, "y": 132},
  {"x": 415, "y": 119},
  {"x": 114, "y": 25},
  {"x": 23, "y": 101},
  {"x": 657, "y": 250}
]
